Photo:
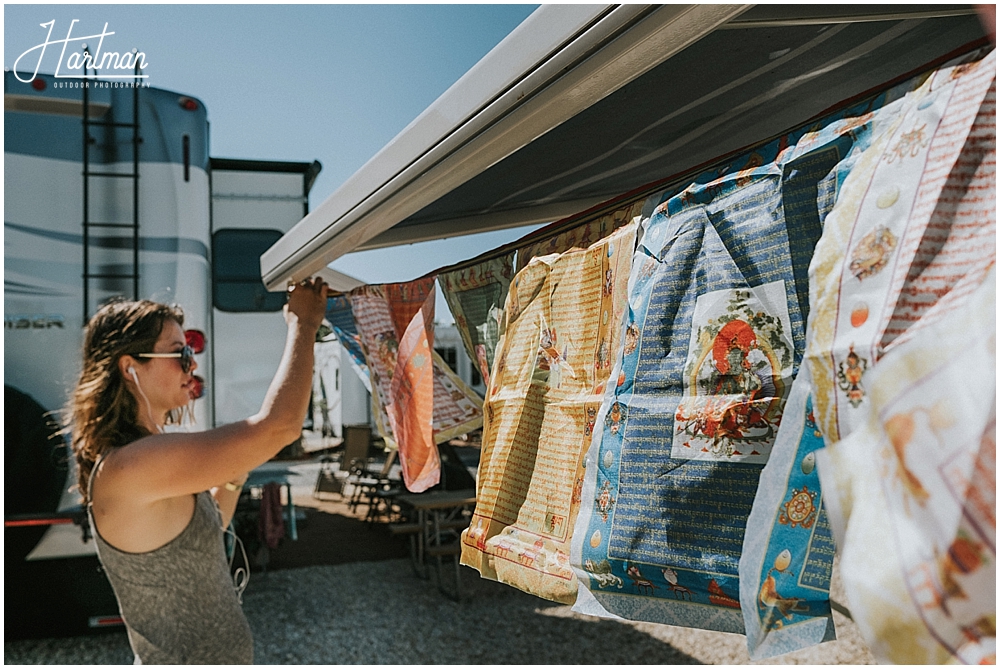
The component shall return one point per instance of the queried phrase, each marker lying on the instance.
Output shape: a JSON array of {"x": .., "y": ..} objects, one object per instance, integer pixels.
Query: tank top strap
[{"x": 90, "y": 479}]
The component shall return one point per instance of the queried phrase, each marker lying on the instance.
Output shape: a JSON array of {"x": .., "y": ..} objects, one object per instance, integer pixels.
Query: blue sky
[{"x": 332, "y": 83}]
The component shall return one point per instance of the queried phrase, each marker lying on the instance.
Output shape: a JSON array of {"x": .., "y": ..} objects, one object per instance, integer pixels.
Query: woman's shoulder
[{"x": 138, "y": 526}]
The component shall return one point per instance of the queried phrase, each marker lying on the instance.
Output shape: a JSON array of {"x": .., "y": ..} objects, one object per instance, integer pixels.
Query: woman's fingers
[
  {"x": 307, "y": 299},
  {"x": 319, "y": 286},
  {"x": 315, "y": 284}
]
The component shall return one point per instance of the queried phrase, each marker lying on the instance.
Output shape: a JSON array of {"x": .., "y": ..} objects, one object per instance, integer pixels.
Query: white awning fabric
[{"x": 580, "y": 104}]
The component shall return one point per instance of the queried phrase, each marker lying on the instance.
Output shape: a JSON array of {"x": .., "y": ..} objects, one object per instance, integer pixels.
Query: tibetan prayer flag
[
  {"x": 714, "y": 336},
  {"x": 457, "y": 407},
  {"x": 476, "y": 296},
  {"x": 788, "y": 547},
  {"x": 341, "y": 318},
  {"x": 901, "y": 348},
  {"x": 581, "y": 236},
  {"x": 912, "y": 494},
  {"x": 554, "y": 358},
  {"x": 913, "y": 233},
  {"x": 395, "y": 323}
]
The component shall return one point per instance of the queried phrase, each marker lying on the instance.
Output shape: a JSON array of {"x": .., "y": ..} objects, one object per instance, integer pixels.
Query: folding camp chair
[
  {"x": 357, "y": 446},
  {"x": 327, "y": 481},
  {"x": 354, "y": 459},
  {"x": 378, "y": 491}
]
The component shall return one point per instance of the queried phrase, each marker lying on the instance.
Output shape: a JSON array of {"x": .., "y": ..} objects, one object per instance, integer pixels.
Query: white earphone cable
[
  {"x": 241, "y": 577},
  {"x": 149, "y": 407}
]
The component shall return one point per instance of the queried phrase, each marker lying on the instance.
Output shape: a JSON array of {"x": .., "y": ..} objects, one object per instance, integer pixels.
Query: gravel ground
[{"x": 380, "y": 613}]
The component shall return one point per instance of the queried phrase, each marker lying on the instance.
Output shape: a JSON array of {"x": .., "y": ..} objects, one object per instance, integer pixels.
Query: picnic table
[{"x": 440, "y": 518}]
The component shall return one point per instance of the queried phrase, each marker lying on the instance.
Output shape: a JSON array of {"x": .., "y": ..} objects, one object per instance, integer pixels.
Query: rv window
[
  {"x": 450, "y": 356},
  {"x": 236, "y": 279}
]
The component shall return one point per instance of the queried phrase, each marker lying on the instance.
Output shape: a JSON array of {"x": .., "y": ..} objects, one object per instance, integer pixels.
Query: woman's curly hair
[{"x": 102, "y": 413}]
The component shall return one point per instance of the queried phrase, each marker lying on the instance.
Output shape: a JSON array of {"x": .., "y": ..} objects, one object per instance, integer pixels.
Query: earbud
[{"x": 131, "y": 370}]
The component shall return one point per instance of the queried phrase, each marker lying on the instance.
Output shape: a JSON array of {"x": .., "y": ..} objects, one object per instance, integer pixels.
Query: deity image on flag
[
  {"x": 551, "y": 360},
  {"x": 739, "y": 364}
]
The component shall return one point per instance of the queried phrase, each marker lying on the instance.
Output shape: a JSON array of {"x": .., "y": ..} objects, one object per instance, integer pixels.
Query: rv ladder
[{"x": 91, "y": 240}]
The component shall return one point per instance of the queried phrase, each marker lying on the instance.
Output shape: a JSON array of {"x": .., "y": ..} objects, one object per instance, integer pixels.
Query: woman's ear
[{"x": 125, "y": 363}]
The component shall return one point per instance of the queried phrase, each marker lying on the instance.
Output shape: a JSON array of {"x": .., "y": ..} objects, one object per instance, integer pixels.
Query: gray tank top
[{"x": 178, "y": 601}]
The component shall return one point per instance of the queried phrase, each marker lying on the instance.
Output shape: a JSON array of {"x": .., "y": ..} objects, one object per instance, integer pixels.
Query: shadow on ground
[
  {"x": 327, "y": 538},
  {"x": 374, "y": 613}
]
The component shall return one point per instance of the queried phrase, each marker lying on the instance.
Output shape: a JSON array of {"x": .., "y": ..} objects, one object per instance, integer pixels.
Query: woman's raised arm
[{"x": 162, "y": 466}]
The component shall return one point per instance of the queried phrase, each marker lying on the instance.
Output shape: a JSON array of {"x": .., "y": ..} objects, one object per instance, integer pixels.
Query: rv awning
[{"x": 582, "y": 103}]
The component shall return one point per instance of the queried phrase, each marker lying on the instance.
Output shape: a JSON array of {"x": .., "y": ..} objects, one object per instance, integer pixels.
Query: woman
[{"x": 159, "y": 502}]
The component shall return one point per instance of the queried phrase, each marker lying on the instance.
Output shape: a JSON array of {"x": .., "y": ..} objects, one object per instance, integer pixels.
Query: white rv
[{"x": 122, "y": 201}]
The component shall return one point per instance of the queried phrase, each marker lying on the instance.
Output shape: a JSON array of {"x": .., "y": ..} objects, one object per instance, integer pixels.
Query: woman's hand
[{"x": 307, "y": 303}]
